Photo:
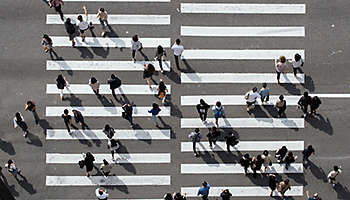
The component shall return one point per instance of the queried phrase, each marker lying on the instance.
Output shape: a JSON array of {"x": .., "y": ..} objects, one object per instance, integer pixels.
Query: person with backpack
[
  {"x": 219, "y": 112},
  {"x": 272, "y": 183},
  {"x": 12, "y": 168},
  {"x": 281, "y": 153},
  {"x": 264, "y": 93},
  {"x": 113, "y": 146},
  {"x": 101, "y": 194},
  {"x": 162, "y": 90},
  {"x": 202, "y": 109},
  {"x": 256, "y": 164},
  {"x": 213, "y": 136},
  {"x": 225, "y": 194},
  {"x": 245, "y": 162},
  {"x": 136, "y": 45},
  {"x": 114, "y": 83},
  {"x": 281, "y": 67},
  {"x": 95, "y": 85},
  {"x": 314, "y": 104},
  {"x": 307, "y": 153},
  {"x": 195, "y": 137},
  {"x": 231, "y": 140},
  {"x": 179, "y": 196},
  {"x": 70, "y": 29},
  {"x": 297, "y": 63},
  {"x": 61, "y": 83},
  {"x": 155, "y": 111},
  {"x": 30, "y": 106},
  {"x": 47, "y": 45},
  {"x": 281, "y": 106},
  {"x": 160, "y": 53},
  {"x": 168, "y": 196},
  {"x": 18, "y": 121},
  {"x": 127, "y": 114},
  {"x": 109, "y": 131},
  {"x": 251, "y": 97},
  {"x": 314, "y": 197},
  {"x": 204, "y": 190},
  {"x": 88, "y": 159},
  {"x": 148, "y": 73},
  {"x": 332, "y": 174},
  {"x": 304, "y": 102}
]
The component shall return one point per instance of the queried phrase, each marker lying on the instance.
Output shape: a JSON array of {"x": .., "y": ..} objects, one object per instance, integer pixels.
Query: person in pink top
[
  {"x": 102, "y": 16},
  {"x": 57, "y": 5},
  {"x": 281, "y": 66}
]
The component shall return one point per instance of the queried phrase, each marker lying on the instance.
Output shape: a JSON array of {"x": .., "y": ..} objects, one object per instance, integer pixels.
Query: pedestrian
[
  {"x": 179, "y": 196},
  {"x": 195, "y": 137},
  {"x": 264, "y": 93},
  {"x": 281, "y": 67},
  {"x": 297, "y": 63},
  {"x": 281, "y": 153},
  {"x": 225, "y": 194},
  {"x": 231, "y": 140},
  {"x": 283, "y": 186},
  {"x": 101, "y": 194},
  {"x": 30, "y": 106},
  {"x": 114, "y": 83},
  {"x": 84, "y": 25},
  {"x": 213, "y": 136},
  {"x": 308, "y": 152},
  {"x": 113, "y": 146},
  {"x": 155, "y": 111},
  {"x": 70, "y": 29},
  {"x": 178, "y": 49},
  {"x": 314, "y": 104},
  {"x": 18, "y": 121},
  {"x": 159, "y": 56},
  {"x": 281, "y": 106},
  {"x": 79, "y": 118},
  {"x": 245, "y": 162},
  {"x": 289, "y": 159},
  {"x": 314, "y": 197},
  {"x": 202, "y": 109},
  {"x": 105, "y": 168},
  {"x": 148, "y": 73},
  {"x": 219, "y": 112},
  {"x": 47, "y": 45},
  {"x": 256, "y": 164},
  {"x": 136, "y": 45},
  {"x": 272, "y": 183},
  {"x": 127, "y": 114},
  {"x": 95, "y": 85},
  {"x": 162, "y": 90},
  {"x": 304, "y": 102},
  {"x": 57, "y": 5},
  {"x": 102, "y": 16},
  {"x": 61, "y": 83},
  {"x": 89, "y": 162},
  {"x": 251, "y": 97},
  {"x": 267, "y": 160},
  {"x": 67, "y": 118},
  {"x": 168, "y": 196},
  {"x": 109, "y": 131},
  {"x": 332, "y": 174},
  {"x": 204, "y": 190},
  {"x": 12, "y": 168}
]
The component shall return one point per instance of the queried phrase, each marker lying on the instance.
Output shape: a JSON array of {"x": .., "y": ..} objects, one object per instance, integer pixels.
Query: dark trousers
[
  {"x": 203, "y": 116},
  {"x": 212, "y": 141},
  {"x": 205, "y": 197},
  {"x": 281, "y": 111},
  {"x": 133, "y": 53},
  {"x": 97, "y": 92},
  {"x": 295, "y": 70},
  {"x": 59, "y": 10},
  {"x": 304, "y": 108},
  {"x": 129, "y": 118},
  {"x": 67, "y": 126},
  {"x": 265, "y": 98},
  {"x": 194, "y": 147},
  {"x": 160, "y": 62},
  {"x": 177, "y": 62},
  {"x": 36, "y": 117},
  {"x": 278, "y": 75}
]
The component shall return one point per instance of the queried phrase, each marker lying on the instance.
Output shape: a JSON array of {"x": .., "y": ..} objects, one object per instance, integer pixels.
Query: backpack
[{"x": 218, "y": 112}]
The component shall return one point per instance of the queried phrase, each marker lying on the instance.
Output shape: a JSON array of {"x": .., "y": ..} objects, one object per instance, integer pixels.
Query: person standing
[
  {"x": 281, "y": 106},
  {"x": 89, "y": 162},
  {"x": 297, "y": 63},
  {"x": 219, "y": 112},
  {"x": 162, "y": 90},
  {"x": 272, "y": 183},
  {"x": 148, "y": 73},
  {"x": 256, "y": 164},
  {"x": 314, "y": 197},
  {"x": 202, "y": 109},
  {"x": 204, "y": 190},
  {"x": 18, "y": 121},
  {"x": 128, "y": 113},
  {"x": 332, "y": 174},
  {"x": 225, "y": 194},
  {"x": 304, "y": 102},
  {"x": 178, "y": 49},
  {"x": 113, "y": 146},
  {"x": 267, "y": 160},
  {"x": 155, "y": 111},
  {"x": 314, "y": 104},
  {"x": 105, "y": 168},
  {"x": 109, "y": 131},
  {"x": 281, "y": 153},
  {"x": 30, "y": 106},
  {"x": 95, "y": 85},
  {"x": 57, "y": 5},
  {"x": 289, "y": 159},
  {"x": 136, "y": 45},
  {"x": 61, "y": 83},
  {"x": 12, "y": 168},
  {"x": 195, "y": 137},
  {"x": 102, "y": 16},
  {"x": 264, "y": 93},
  {"x": 251, "y": 97},
  {"x": 79, "y": 118},
  {"x": 101, "y": 194},
  {"x": 307, "y": 153},
  {"x": 70, "y": 29},
  {"x": 159, "y": 56},
  {"x": 245, "y": 162},
  {"x": 281, "y": 67},
  {"x": 231, "y": 140},
  {"x": 114, "y": 83},
  {"x": 283, "y": 186},
  {"x": 213, "y": 136},
  {"x": 67, "y": 118},
  {"x": 84, "y": 25}
]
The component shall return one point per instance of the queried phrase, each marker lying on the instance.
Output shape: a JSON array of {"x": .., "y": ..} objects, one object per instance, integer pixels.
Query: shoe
[
  {"x": 133, "y": 59},
  {"x": 211, "y": 147},
  {"x": 83, "y": 40},
  {"x": 333, "y": 185},
  {"x": 248, "y": 109},
  {"x": 103, "y": 34},
  {"x": 73, "y": 44},
  {"x": 161, "y": 71},
  {"x": 278, "y": 81},
  {"x": 25, "y": 134}
]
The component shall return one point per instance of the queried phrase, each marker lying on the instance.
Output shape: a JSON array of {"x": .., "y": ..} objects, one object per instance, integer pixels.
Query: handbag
[{"x": 81, "y": 163}]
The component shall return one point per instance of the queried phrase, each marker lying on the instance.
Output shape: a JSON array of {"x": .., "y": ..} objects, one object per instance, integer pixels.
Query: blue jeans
[{"x": 155, "y": 119}]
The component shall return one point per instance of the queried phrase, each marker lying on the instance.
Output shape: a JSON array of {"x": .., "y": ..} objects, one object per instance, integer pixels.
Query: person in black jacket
[
  {"x": 304, "y": 102},
  {"x": 202, "y": 109},
  {"x": 231, "y": 140},
  {"x": 315, "y": 103},
  {"x": 272, "y": 183},
  {"x": 225, "y": 194},
  {"x": 256, "y": 164},
  {"x": 70, "y": 29},
  {"x": 213, "y": 136},
  {"x": 128, "y": 113},
  {"x": 109, "y": 131},
  {"x": 114, "y": 83},
  {"x": 245, "y": 162},
  {"x": 78, "y": 117},
  {"x": 89, "y": 163},
  {"x": 67, "y": 118},
  {"x": 289, "y": 159},
  {"x": 281, "y": 153}
]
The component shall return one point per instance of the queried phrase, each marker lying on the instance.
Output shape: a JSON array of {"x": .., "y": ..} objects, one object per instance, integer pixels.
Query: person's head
[
  {"x": 316, "y": 196},
  {"x": 290, "y": 154},
  {"x": 205, "y": 184},
  {"x": 65, "y": 111},
  {"x": 93, "y": 80},
  {"x": 88, "y": 154},
  {"x": 201, "y": 101},
  {"x": 218, "y": 104},
  {"x": 178, "y": 41},
  {"x": 80, "y": 18},
  {"x": 168, "y": 196},
  {"x": 105, "y": 162},
  {"x": 309, "y": 147},
  {"x": 161, "y": 83},
  {"x": 246, "y": 156},
  {"x": 107, "y": 127},
  {"x": 74, "y": 112},
  {"x": 100, "y": 192},
  {"x": 9, "y": 162},
  {"x": 102, "y": 9},
  {"x": 135, "y": 38},
  {"x": 213, "y": 128},
  {"x": 258, "y": 157},
  {"x": 29, "y": 102},
  {"x": 160, "y": 49},
  {"x": 284, "y": 148},
  {"x": 112, "y": 76},
  {"x": 60, "y": 77},
  {"x": 306, "y": 94},
  {"x": 18, "y": 116},
  {"x": 196, "y": 130},
  {"x": 265, "y": 153},
  {"x": 281, "y": 97},
  {"x": 226, "y": 191},
  {"x": 255, "y": 89},
  {"x": 45, "y": 36},
  {"x": 286, "y": 181},
  {"x": 336, "y": 168},
  {"x": 155, "y": 106},
  {"x": 297, "y": 57},
  {"x": 283, "y": 59},
  {"x": 264, "y": 85}
]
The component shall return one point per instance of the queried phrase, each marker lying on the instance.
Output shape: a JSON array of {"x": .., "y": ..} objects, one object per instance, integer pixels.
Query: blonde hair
[{"x": 282, "y": 59}]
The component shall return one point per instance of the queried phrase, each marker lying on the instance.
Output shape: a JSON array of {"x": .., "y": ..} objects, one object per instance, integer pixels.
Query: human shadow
[
  {"x": 309, "y": 83},
  {"x": 299, "y": 178},
  {"x": 7, "y": 147},
  {"x": 173, "y": 76},
  {"x": 25, "y": 184},
  {"x": 257, "y": 112},
  {"x": 167, "y": 126},
  {"x": 206, "y": 156},
  {"x": 318, "y": 172},
  {"x": 105, "y": 102},
  {"x": 291, "y": 88},
  {"x": 85, "y": 52},
  {"x": 99, "y": 51},
  {"x": 174, "y": 109},
  {"x": 320, "y": 123},
  {"x": 34, "y": 140},
  {"x": 188, "y": 69},
  {"x": 79, "y": 134},
  {"x": 74, "y": 100},
  {"x": 127, "y": 166},
  {"x": 342, "y": 191},
  {"x": 138, "y": 127},
  {"x": 10, "y": 189},
  {"x": 111, "y": 32},
  {"x": 44, "y": 124}
]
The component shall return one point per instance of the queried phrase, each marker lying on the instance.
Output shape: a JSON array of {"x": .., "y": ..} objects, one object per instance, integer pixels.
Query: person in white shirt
[
  {"x": 281, "y": 67},
  {"x": 195, "y": 137},
  {"x": 178, "y": 49},
  {"x": 101, "y": 194},
  {"x": 297, "y": 63},
  {"x": 105, "y": 168},
  {"x": 136, "y": 45},
  {"x": 84, "y": 25},
  {"x": 251, "y": 97},
  {"x": 332, "y": 174},
  {"x": 18, "y": 121},
  {"x": 102, "y": 16}
]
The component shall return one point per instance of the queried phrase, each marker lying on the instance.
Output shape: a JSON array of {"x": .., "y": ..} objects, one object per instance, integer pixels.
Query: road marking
[
  {"x": 225, "y": 8},
  {"x": 130, "y": 1},
  {"x": 63, "y": 41},
  {"x": 240, "y": 78},
  {"x": 247, "y": 191},
  {"x": 245, "y": 146},
  {"x": 114, "y": 19},
  {"x": 104, "y": 65},
  {"x": 100, "y": 111},
  {"x": 265, "y": 31},
  {"x": 247, "y": 54},
  {"x": 225, "y": 168},
  {"x": 244, "y": 123},
  {"x": 121, "y": 158},
  {"x": 104, "y": 89},
  {"x": 62, "y": 134},
  {"x": 111, "y": 180}
]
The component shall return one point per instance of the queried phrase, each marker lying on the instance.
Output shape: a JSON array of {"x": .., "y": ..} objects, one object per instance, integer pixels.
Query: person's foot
[
  {"x": 196, "y": 155},
  {"x": 278, "y": 81},
  {"x": 248, "y": 109},
  {"x": 161, "y": 71},
  {"x": 25, "y": 134},
  {"x": 210, "y": 146},
  {"x": 103, "y": 34},
  {"x": 133, "y": 59},
  {"x": 83, "y": 39},
  {"x": 113, "y": 159},
  {"x": 304, "y": 115},
  {"x": 73, "y": 44},
  {"x": 333, "y": 185}
]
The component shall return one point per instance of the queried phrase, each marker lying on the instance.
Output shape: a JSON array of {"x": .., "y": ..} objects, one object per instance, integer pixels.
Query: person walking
[
  {"x": 160, "y": 53},
  {"x": 332, "y": 174},
  {"x": 225, "y": 194},
  {"x": 127, "y": 114},
  {"x": 70, "y": 29},
  {"x": 281, "y": 67},
  {"x": 307, "y": 153},
  {"x": 251, "y": 97},
  {"x": 61, "y": 83},
  {"x": 179, "y": 196},
  {"x": 101, "y": 194},
  {"x": 245, "y": 162},
  {"x": 67, "y": 118},
  {"x": 213, "y": 136},
  {"x": 30, "y": 106},
  {"x": 231, "y": 140},
  {"x": 272, "y": 183},
  {"x": 89, "y": 162},
  {"x": 219, "y": 112},
  {"x": 283, "y": 186},
  {"x": 136, "y": 45},
  {"x": 256, "y": 164},
  {"x": 84, "y": 25},
  {"x": 12, "y": 168},
  {"x": 281, "y": 106},
  {"x": 148, "y": 73},
  {"x": 114, "y": 83},
  {"x": 57, "y": 5},
  {"x": 264, "y": 93},
  {"x": 195, "y": 137},
  {"x": 314, "y": 197},
  {"x": 297, "y": 63},
  {"x": 314, "y": 104},
  {"x": 109, "y": 131},
  {"x": 95, "y": 85},
  {"x": 168, "y": 196},
  {"x": 18, "y": 121},
  {"x": 162, "y": 90},
  {"x": 304, "y": 102},
  {"x": 79, "y": 118},
  {"x": 267, "y": 160},
  {"x": 178, "y": 50},
  {"x": 105, "y": 168},
  {"x": 204, "y": 190},
  {"x": 47, "y": 45},
  {"x": 281, "y": 153},
  {"x": 113, "y": 146},
  {"x": 202, "y": 109},
  {"x": 155, "y": 111},
  {"x": 289, "y": 159},
  {"x": 102, "y": 16}
]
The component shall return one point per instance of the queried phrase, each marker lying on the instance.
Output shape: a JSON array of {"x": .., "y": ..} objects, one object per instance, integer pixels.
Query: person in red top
[{"x": 57, "y": 5}]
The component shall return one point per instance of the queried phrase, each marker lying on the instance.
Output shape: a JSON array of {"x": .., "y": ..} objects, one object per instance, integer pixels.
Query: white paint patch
[{"x": 130, "y": 1}]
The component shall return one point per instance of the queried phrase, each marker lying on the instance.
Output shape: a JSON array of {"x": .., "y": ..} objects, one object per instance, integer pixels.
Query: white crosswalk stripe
[
  {"x": 240, "y": 78},
  {"x": 158, "y": 1},
  {"x": 244, "y": 123}
]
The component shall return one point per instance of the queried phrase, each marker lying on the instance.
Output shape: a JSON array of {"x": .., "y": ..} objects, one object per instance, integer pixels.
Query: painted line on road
[
  {"x": 106, "y": 1},
  {"x": 120, "y": 134},
  {"x": 100, "y": 111},
  {"x": 63, "y": 41},
  {"x": 240, "y": 78},
  {"x": 111, "y": 180},
  {"x": 226, "y": 8},
  {"x": 244, "y": 123}
]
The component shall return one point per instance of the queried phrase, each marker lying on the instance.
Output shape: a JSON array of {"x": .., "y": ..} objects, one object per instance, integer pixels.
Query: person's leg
[
  {"x": 160, "y": 64},
  {"x": 295, "y": 71},
  {"x": 210, "y": 143},
  {"x": 130, "y": 120},
  {"x": 59, "y": 10},
  {"x": 217, "y": 121},
  {"x": 262, "y": 98},
  {"x": 228, "y": 147},
  {"x": 112, "y": 152},
  {"x": 177, "y": 61},
  {"x": 113, "y": 93},
  {"x": 155, "y": 119},
  {"x": 133, "y": 52},
  {"x": 148, "y": 80},
  {"x": 36, "y": 117},
  {"x": 245, "y": 170},
  {"x": 278, "y": 76},
  {"x": 103, "y": 27},
  {"x": 201, "y": 116},
  {"x": 194, "y": 148},
  {"x": 67, "y": 126},
  {"x": 205, "y": 116},
  {"x": 61, "y": 94}
]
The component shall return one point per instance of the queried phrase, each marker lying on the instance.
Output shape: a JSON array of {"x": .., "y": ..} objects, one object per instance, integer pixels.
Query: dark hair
[
  {"x": 246, "y": 156},
  {"x": 196, "y": 130},
  {"x": 309, "y": 147},
  {"x": 18, "y": 117},
  {"x": 258, "y": 157},
  {"x": 255, "y": 89},
  {"x": 201, "y": 101},
  {"x": 30, "y": 102},
  {"x": 88, "y": 154},
  {"x": 68, "y": 20},
  {"x": 160, "y": 50},
  {"x": 93, "y": 80},
  {"x": 102, "y": 9},
  {"x": 290, "y": 153},
  {"x": 336, "y": 168},
  {"x": 60, "y": 78},
  {"x": 65, "y": 111},
  {"x": 286, "y": 181},
  {"x": 135, "y": 38},
  {"x": 264, "y": 85},
  {"x": 9, "y": 162},
  {"x": 80, "y": 18},
  {"x": 161, "y": 84},
  {"x": 284, "y": 147},
  {"x": 283, "y": 59},
  {"x": 105, "y": 162},
  {"x": 213, "y": 128},
  {"x": 204, "y": 183},
  {"x": 107, "y": 127},
  {"x": 178, "y": 41},
  {"x": 46, "y": 36},
  {"x": 100, "y": 192},
  {"x": 168, "y": 196},
  {"x": 218, "y": 104},
  {"x": 281, "y": 97},
  {"x": 112, "y": 76},
  {"x": 306, "y": 94},
  {"x": 297, "y": 57},
  {"x": 265, "y": 153},
  {"x": 155, "y": 106}
]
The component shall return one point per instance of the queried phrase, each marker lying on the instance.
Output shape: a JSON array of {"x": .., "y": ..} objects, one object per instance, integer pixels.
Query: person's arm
[
  {"x": 15, "y": 123},
  {"x": 98, "y": 14},
  {"x": 85, "y": 10},
  {"x": 61, "y": 1}
]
